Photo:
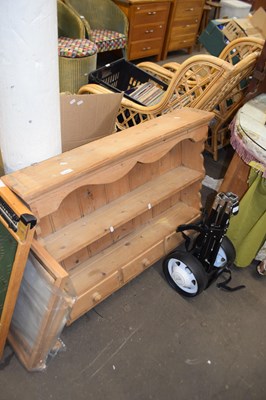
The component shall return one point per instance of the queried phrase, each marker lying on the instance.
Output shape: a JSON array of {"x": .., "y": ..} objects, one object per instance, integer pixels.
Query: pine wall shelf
[{"x": 108, "y": 210}]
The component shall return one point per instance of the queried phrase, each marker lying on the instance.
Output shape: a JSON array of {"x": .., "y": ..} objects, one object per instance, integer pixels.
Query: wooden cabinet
[
  {"x": 183, "y": 25},
  {"x": 109, "y": 209},
  {"x": 147, "y": 26}
]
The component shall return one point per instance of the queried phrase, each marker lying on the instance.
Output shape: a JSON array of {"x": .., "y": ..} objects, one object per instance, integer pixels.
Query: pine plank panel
[
  {"x": 69, "y": 210},
  {"x": 91, "y": 197}
]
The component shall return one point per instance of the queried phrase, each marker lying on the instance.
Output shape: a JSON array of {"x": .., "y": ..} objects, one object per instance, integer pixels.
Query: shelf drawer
[
  {"x": 188, "y": 9},
  {"x": 191, "y": 22},
  {"x": 188, "y": 29},
  {"x": 182, "y": 42},
  {"x": 92, "y": 296},
  {"x": 145, "y": 48},
  {"x": 149, "y": 14},
  {"x": 137, "y": 266},
  {"x": 148, "y": 32}
]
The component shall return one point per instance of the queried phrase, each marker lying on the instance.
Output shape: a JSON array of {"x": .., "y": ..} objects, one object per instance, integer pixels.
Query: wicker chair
[
  {"x": 203, "y": 82},
  {"x": 234, "y": 52},
  {"x": 69, "y": 24},
  {"x": 105, "y": 24},
  {"x": 204, "y": 72},
  {"x": 73, "y": 69}
]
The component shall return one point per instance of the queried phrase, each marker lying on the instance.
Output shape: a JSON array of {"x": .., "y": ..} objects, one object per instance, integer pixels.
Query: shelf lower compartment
[{"x": 97, "y": 278}]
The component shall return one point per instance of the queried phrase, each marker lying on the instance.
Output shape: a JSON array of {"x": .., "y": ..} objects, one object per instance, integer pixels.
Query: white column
[{"x": 29, "y": 83}]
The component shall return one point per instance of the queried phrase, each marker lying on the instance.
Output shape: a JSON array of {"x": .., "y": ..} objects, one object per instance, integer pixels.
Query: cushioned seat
[
  {"x": 73, "y": 48},
  {"x": 107, "y": 40}
]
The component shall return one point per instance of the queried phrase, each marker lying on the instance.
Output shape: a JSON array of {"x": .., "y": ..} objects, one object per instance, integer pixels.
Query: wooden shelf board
[
  {"x": 79, "y": 234},
  {"x": 34, "y": 182}
]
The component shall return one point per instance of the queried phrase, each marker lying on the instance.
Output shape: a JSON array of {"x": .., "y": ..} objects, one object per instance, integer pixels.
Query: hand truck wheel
[
  {"x": 185, "y": 273},
  {"x": 226, "y": 254}
]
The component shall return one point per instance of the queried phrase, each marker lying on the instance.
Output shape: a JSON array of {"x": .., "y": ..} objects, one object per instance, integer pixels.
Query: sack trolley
[{"x": 208, "y": 255}]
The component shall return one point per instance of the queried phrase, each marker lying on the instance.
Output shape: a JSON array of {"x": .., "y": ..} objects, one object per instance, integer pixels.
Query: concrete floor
[{"x": 147, "y": 342}]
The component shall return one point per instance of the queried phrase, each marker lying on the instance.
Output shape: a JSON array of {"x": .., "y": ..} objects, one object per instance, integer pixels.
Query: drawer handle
[
  {"x": 96, "y": 297},
  {"x": 149, "y": 31},
  {"x": 187, "y": 26},
  {"x": 152, "y": 12},
  {"x": 189, "y": 9},
  {"x": 146, "y": 48}
]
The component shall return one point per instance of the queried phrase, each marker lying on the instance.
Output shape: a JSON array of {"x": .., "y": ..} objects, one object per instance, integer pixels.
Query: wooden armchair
[{"x": 105, "y": 24}]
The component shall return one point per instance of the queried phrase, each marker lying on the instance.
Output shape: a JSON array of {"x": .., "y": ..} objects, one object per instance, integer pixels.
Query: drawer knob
[
  {"x": 146, "y": 262},
  {"x": 152, "y": 12},
  {"x": 96, "y": 297}
]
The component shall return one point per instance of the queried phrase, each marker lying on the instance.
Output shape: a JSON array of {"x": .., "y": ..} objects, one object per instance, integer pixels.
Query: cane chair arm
[
  {"x": 156, "y": 70},
  {"x": 93, "y": 88},
  {"x": 172, "y": 66},
  {"x": 241, "y": 48}
]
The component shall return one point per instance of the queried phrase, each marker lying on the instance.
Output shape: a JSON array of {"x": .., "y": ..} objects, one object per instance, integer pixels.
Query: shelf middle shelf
[{"x": 102, "y": 221}]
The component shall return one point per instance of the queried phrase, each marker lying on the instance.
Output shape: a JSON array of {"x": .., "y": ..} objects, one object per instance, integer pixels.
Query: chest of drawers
[
  {"x": 147, "y": 26},
  {"x": 183, "y": 25}
]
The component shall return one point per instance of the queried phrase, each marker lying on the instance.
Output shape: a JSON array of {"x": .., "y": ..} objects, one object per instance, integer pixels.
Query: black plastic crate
[{"x": 123, "y": 76}]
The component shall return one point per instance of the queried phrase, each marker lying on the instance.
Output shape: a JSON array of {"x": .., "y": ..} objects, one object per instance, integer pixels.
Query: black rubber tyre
[
  {"x": 185, "y": 273},
  {"x": 226, "y": 255}
]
